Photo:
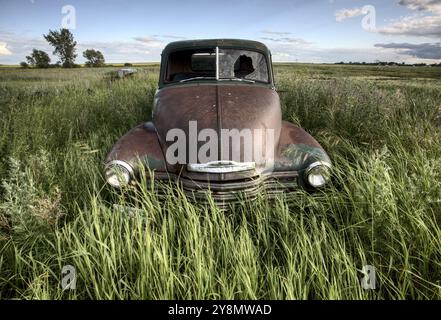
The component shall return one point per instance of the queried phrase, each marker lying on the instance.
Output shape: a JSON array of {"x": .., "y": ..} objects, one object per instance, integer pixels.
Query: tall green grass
[{"x": 383, "y": 207}]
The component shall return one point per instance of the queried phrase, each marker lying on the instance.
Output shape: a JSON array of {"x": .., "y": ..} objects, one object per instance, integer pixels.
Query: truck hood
[{"x": 233, "y": 112}]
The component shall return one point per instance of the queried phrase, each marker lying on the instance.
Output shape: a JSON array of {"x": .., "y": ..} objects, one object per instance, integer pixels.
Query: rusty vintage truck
[{"x": 217, "y": 127}]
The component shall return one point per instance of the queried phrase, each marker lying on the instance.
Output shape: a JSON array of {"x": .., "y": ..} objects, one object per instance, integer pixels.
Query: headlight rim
[
  {"x": 122, "y": 164},
  {"x": 313, "y": 166}
]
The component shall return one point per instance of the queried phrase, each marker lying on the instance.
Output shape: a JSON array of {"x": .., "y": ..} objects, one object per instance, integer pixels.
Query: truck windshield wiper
[
  {"x": 197, "y": 78},
  {"x": 237, "y": 79}
]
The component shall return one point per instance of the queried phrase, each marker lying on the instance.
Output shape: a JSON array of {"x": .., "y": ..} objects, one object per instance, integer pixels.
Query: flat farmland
[{"x": 381, "y": 126}]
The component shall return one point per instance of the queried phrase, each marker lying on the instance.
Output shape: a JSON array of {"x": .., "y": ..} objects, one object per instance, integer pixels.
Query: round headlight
[
  {"x": 118, "y": 173},
  {"x": 318, "y": 174}
]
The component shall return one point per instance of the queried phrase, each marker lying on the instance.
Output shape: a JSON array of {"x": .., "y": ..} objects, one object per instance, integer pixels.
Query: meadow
[{"x": 380, "y": 125}]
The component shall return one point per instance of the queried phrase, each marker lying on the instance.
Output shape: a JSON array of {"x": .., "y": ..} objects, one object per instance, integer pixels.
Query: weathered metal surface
[
  {"x": 297, "y": 149},
  {"x": 218, "y": 106},
  {"x": 140, "y": 143},
  {"x": 231, "y": 191},
  {"x": 125, "y": 72}
]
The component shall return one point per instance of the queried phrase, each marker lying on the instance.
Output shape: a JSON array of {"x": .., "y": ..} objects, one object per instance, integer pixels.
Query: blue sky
[{"x": 302, "y": 30}]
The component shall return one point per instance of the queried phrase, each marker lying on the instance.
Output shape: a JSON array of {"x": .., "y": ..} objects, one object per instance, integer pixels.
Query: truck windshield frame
[{"x": 231, "y": 64}]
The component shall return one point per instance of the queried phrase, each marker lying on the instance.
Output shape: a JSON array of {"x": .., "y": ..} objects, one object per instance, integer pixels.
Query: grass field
[{"x": 381, "y": 127}]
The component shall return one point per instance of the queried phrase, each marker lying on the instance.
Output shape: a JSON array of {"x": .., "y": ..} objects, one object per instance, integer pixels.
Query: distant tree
[
  {"x": 24, "y": 65},
  {"x": 38, "y": 59},
  {"x": 127, "y": 64},
  {"x": 64, "y": 46},
  {"x": 94, "y": 58}
]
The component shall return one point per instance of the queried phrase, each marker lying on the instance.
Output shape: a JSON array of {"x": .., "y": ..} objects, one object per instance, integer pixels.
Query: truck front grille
[{"x": 236, "y": 190}]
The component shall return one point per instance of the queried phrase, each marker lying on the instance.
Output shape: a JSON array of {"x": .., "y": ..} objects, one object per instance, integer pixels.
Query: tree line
[
  {"x": 65, "y": 48},
  {"x": 387, "y": 63}
]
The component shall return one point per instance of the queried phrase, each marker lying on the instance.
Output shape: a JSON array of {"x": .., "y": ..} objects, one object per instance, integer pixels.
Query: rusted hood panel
[{"x": 221, "y": 106}]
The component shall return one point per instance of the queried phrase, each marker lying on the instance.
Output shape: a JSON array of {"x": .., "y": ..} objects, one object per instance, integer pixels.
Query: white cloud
[
  {"x": 283, "y": 38},
  {"x": 284, "y": 48},
  {"x": 169, "y": 36},
  {"x": 4, "y": 51},
  {"x": 294, "y": 41},
  {"x": 124, "y": 51},
  {"x": 19, "y": 46},
  {"x": 277, "y": 33},
  {"x": 425, "y": 23},
  {"x": 285, "y": 52},
  {"x": 14, "y": 48},
  {"x": 281, "y": 55},
  {"x": 422, "y": 5},
  {"x": 420, "y": 26},
  {"x": 149, "y": 41},
  {"x": 344, "y": 14}
]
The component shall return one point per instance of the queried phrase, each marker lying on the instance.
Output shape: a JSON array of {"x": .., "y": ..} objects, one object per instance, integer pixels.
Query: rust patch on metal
[
  {"x": 221, "y": 106},
  {"x": 297, "y": 149},
  {"x": 140, "y": 143}
]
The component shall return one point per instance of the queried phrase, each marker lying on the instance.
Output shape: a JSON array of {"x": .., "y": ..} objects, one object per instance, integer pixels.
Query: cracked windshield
[{"x": 192, "y": 65}]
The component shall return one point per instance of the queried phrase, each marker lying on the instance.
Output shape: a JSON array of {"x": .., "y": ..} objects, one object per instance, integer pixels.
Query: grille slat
[{"x": 236, "y": 190}]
